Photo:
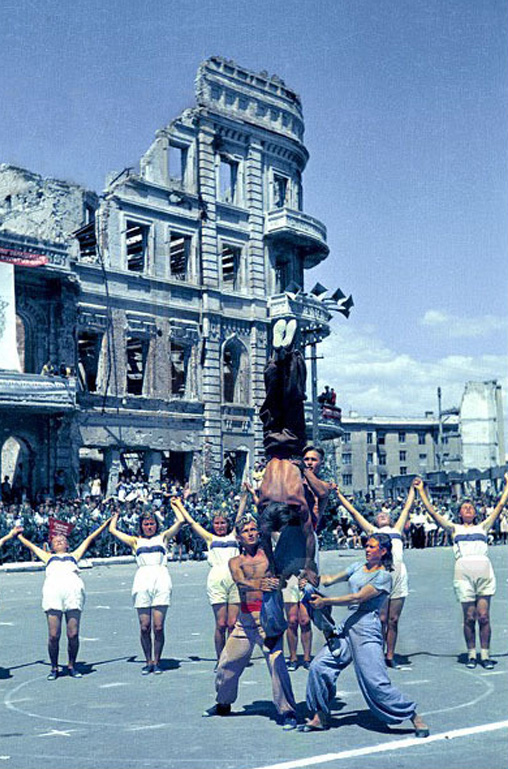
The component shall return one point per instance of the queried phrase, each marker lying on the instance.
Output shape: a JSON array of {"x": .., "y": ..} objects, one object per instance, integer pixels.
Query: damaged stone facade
[{"x": 157, "y": 294}]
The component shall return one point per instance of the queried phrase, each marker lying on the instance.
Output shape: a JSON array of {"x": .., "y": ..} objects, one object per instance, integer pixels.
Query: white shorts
[
  {"x": 221, "y": 587},
  {"x": 400, "y": 582},
  {"x": 66, "y": 595},
  {"x": 152, "y": 587},
  {"x": 473, "y": 578},
  {"x": 292, "y": 593}
]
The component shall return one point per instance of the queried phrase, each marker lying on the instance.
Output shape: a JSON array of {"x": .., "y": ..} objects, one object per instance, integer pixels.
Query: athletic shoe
[
  {"x": 306, "y": 664},
  {"x": 290, "y": 332},
  {"x": 52, "y": 676},
  {"x": 392, "y": 664},
  {"x": 289, "y": 722},
  {"x": 146, "y": 670},
  {"x": 471, "y": 663},
  {"x": 157, "y": 670},
  {"x": 217, "y": 710},
  {"x": 75, "y": 673},
  {"x": 488, "y": 664},
  {"x": 279, "y": 333},
  {"x": 292, "y": 665}
]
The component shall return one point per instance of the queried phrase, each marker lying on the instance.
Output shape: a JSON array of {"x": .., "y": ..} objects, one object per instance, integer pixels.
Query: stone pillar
[
  {"x": 152, "y": 465},
  {"x": 113, "y": 469},
  {"x": 254, "y": 195}
]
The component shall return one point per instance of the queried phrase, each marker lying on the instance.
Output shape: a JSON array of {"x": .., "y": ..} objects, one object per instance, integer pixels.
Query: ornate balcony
[
  {"x": 312, "y": 315},
  {"x": 300, "y": 230},
  {"x": 37, "y": 393}
]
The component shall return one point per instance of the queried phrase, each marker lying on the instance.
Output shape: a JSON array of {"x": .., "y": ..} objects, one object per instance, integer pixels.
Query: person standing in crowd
[
  {"x": 151, "y": 590},
  {"x": 391, "y": 610},
  {"x": 359, "y": 639},
  {"x": 474, "y": 580},
  {"x": 251, "y": 572},
  {"x": 63, "y": 593},
  {"x": 222, "y": 545}
]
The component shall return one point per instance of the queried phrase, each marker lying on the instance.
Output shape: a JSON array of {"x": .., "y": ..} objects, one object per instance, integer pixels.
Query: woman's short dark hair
[
  {"x": 317, "y": 449},
  {"x": 385, "y": 542},
  {"x": 145, "y": 516}
]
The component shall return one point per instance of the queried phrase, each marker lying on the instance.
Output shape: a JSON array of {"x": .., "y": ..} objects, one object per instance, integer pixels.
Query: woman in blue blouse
[{"x": 359, "y": 639}]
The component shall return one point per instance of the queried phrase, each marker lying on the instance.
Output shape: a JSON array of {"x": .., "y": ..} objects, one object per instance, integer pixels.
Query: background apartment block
[{"x": 466, "y": 443}]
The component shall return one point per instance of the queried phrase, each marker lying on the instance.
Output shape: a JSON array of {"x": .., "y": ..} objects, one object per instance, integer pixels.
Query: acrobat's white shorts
[
  {"x": 152, "y": 587},
  {"x": 473, "y": 578},
  {"x": 63, "y": 595},
  {"x": 400, "y": 582},
  {"x": 221, "y": 588}
]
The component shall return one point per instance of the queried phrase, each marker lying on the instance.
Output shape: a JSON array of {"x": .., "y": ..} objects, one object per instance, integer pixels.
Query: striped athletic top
[
  {"x": 470, "y": 541},
  {"x": 397, "y": 542},
  {"x": 58, "y": 565},
  {"x": 221, "y": 550},
  {"x": 151, "y": 551}
]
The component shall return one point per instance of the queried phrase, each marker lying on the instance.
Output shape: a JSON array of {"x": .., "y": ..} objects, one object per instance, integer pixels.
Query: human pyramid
[{"x": 276, "y": 551}]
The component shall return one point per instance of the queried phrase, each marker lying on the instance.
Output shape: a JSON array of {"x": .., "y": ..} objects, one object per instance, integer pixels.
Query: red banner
[
  {"x": 22, "y": 258},
  {"x": 59, "y": 527}
]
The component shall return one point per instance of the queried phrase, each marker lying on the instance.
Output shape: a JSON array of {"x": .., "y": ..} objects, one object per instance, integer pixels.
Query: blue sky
[{"x": 405, "y": 104}]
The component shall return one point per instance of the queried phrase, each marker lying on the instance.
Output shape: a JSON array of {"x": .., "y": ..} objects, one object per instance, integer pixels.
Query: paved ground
[{"x": 113, "y": 717}]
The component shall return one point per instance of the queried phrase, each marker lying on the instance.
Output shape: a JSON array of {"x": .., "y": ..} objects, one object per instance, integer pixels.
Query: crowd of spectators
[{"x": 135, "y": 494}]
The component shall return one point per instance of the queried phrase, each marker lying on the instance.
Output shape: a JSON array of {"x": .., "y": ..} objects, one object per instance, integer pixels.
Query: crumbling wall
[{"x": 47, "y": 209}]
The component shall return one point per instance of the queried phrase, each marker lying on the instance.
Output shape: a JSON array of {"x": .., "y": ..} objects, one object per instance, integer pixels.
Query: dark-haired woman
[
  {"x": 359, "y": 639},
  {"x": 151, "y": 590},
  {"x": 63, "y": 593},
  {"x": 474, "y": 580},
  {"x": 222, "y": 545}
]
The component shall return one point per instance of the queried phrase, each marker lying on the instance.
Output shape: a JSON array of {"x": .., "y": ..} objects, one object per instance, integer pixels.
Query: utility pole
[
  {"x": 313, "y": 381},
  {"x": 439, "y": 432}
]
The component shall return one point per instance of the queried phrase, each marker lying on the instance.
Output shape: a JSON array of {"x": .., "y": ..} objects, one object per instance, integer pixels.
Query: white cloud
[
  {"x": 468, "y": 327},
  {"x": 370, "y": 378}
]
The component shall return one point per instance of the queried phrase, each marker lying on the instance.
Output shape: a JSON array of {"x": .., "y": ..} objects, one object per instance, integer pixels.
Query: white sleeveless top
[
  {"x": 221, "y": 550},
  {"x": 151, "y": 551},
  {"x": 59, "y": 566},
  {"x": 470, "y": 541},
  {"x": 397, "y": 543}
]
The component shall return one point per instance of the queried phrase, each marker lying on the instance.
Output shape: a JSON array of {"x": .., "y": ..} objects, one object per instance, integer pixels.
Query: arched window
[
  {"x": 16, "y": 468},
  {"x": 24, "y": 345},
  {"x": 235, "y": 373}
]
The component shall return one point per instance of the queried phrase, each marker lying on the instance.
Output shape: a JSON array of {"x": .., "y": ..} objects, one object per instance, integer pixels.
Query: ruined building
[{"x": 158, "y": 295}]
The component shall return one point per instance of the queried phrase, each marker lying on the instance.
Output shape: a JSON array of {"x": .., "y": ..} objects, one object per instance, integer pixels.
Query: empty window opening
[
  {"x": 87, "y": 242},
  {"x": 136, "y": 240},
  {"x": 228, "y": 180},
  {"x": 177, "y": 163},
  {"x": 282, "y": 275},
  {"x": 179, "y": 360},
  {"x": 179, "y": 251},
  {"x": 136, "y": 361},
  {"x": 235, "y": 363},
  {"x": 89, "y": 346},
  {"x": 280, "y": 190},
  {"x": 230, "y": 257}
]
